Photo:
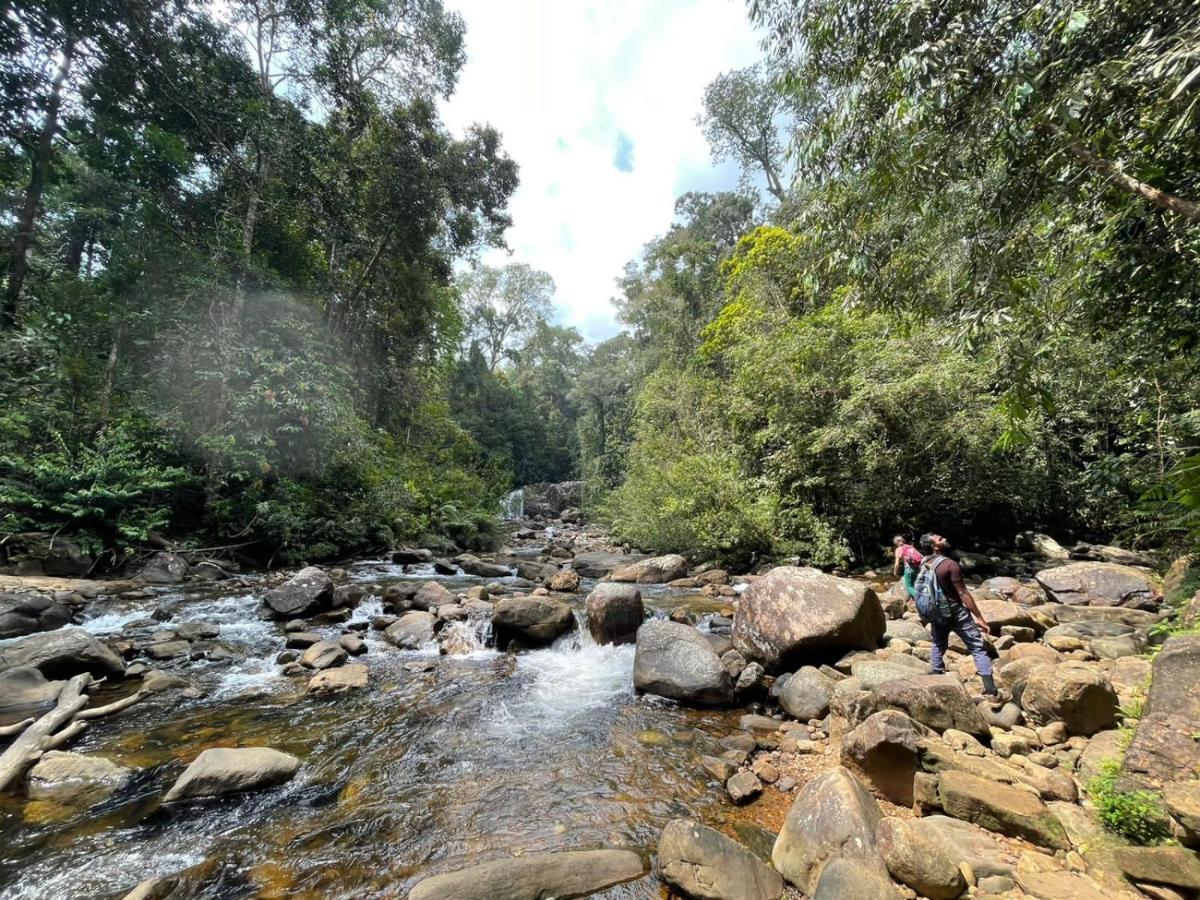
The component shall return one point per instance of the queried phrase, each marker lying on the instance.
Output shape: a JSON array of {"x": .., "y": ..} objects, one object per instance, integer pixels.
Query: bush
[{"x": 1137, "y": 816}]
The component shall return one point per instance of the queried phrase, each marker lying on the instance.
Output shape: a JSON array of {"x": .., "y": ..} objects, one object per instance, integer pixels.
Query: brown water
[{"x": 484, "y": 755}]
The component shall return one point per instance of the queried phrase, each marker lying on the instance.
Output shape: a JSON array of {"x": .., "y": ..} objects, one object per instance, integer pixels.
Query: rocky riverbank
[{"x": 787, "y": 715}]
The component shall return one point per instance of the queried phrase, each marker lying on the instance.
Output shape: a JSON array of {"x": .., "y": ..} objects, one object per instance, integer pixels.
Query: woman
[{"x": 910, "y": 558}]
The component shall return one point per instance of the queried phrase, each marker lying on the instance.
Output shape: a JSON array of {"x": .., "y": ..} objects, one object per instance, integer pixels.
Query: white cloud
[{"x": 563, "y": 82}]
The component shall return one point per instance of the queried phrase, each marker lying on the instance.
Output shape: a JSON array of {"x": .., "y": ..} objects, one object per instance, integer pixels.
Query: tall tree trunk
[
  {"x": 110, "y": 374},
  {"x": 27, "y": 218}
]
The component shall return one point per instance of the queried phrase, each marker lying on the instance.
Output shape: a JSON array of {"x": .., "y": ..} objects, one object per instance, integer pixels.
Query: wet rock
[
  {"x": 1072, "y": 693},
  {"x": 302, "y": 640},
  {"x": 308, "y": 591},
  {"x": 287, "y": 656},
  {"x": 411, "y": 556},
  {"x": 22, "y": 614},
  {"x": 884, "y": 749},
  {"x": 1001, "y": 808},
  {"x": 720, "y": 769},
  {"x": 655, "y": 570},
  {"x": 195, "y": 631},
  {"x": 451, "y": 612},
  {"x": 323, "y": 655},
  {"x": 701, "y": 863},
  {"x": 598, "y": 564},
  {"x": 832, "y": 817},
  {"x": 156, "y": 682},
  {"x": 535, "y": 876},
  {"x": 675, "y": 661},
  {"x": 24, "y": 687},
  {"x": 348, "y": 595},
  {"x": 353, "y": 644},
  {"x": 76, "y": 778},
  {"x": 163, "y": 650},
  {"x": 614, "y": 613},
  {"x": 445, "y": 567},
  {"x": 744, "y": 787},
  {"x": 791, "y": 614},
  {"x": 851, "y": 879},
  {"x": 339, "y": 680},
  {"x": 1163, "y": 744},
  {"x": 936, "y": 701},
  {"x": 62, "y": 654},
  {"x": 164, "y": 568},
  {"x": 1098, "y": 584},
  {"x": 918, "y": 862},
  {"x": 564, "y": 581},
  {"x": 806, "y": 694},
  {"x": 473, "y": 565},
  {"x": 227, "y": 770},
  {"x": 411, "y": 631},
  {"x": 430, "y": 596},
  {"x": 531, "y": 621}
]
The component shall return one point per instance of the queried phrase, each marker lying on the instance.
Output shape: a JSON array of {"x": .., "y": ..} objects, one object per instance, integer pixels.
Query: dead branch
[
  {"x": 69, "y": 733},
  {"x": 32, "y": 743},
  {"x": 15, "y": 728},
  {"x": 116, "y": 706}
]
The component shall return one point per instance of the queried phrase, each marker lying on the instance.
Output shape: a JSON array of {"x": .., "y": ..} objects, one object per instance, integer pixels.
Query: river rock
[
  {"x": 884, "y": 749},
  {"x": 656, "y": 570},
  {"x": 228, "y": 770},
  {"x": 1043, "y": 545},
  {"x": 1163, "y": 748},
  {"x": 22, "y": 614},
  {"x": 195, "y": 631},
  {"x": 906, "y": 630},
  {"x": 615, "y": 613},
  {"x": 565, "y": 581},
  {"x": 430, "y": 596},
  {"x": 744, "y": 787},
  {"x": 1098, "y": 584},
  {"x": 1073, "y": 693},
  {"x": 832, "y": 817},
  {"x": 531, "y": 621},
  {"x": 411, "y": 556},
  {"x": 353, "y": 644},
  {"x": 1004, "y": 613},
  {"x": 162, "y": 650},
  {"x": 851, "y": 879},
  {"x": 76, "y": 778},
  {"x": 411, "y": 631},
  {"x": 918, "y": 862},
  {"x": 62, "y": 654},
  {"x": 534, "y": 571},
  {"x": 873, "y": 673},
  {"x": 308, "y": 591},
  {"x": 1011, "y": 589},
  {"x": 338, "y": 680},
  {"x": 792, "y": 614},
  {"x": 535, "y": 876},
  {"x": 164, "y": 568},
  {"x": 323, "y": 655},
  {"x": 936, "y": 701},
  {"x": 599, "y": 564},
  {"x": 1000, "y": 808},
  {"x": 704, "y": 864},
  {"x": 301, "y": 640},
  {"x": 24, "y": 687},
  {"x": 473, "y": 565},
  {"x": 675, "y": 661},
  {"x": 806, "y": 694}
]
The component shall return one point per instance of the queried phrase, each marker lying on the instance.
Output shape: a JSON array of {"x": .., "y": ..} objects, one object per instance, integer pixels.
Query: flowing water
[{"x": 443, "y": 761}]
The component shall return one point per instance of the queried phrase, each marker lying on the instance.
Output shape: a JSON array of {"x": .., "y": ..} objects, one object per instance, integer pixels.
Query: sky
[{"x": 596, "y": 101}]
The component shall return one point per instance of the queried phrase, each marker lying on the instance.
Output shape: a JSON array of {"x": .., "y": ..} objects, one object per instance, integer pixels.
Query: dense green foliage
[
  {"x": 230, "y": 317},
  {"x": 974, "y": 308},
  {"x": 1137, "y": 816}
]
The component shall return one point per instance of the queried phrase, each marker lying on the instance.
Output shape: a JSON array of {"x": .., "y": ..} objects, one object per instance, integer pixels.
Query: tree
[
  {"x": 503, "y": 307},
  {"x": 742, "y": 120}
]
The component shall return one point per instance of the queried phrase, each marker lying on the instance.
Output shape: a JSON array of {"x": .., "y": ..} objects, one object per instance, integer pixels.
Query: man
[{"x": 967, "y": 621}]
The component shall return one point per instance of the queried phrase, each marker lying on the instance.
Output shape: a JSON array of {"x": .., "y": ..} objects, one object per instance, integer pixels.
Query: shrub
[{"x": 1137, "y": 816}]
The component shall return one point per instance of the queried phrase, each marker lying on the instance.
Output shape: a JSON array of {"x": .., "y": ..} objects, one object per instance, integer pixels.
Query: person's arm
[
  {"x": 967, "y": 600},
  {"x": 896, "y": 561}
]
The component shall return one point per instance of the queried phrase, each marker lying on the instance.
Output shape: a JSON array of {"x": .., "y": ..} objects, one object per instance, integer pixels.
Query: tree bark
[
  {"x": 37, "y": 738},
  {"x": 365, "y": 278},
  {"x": 110, "y": 374},
  {"x": 27, "y": 218}
]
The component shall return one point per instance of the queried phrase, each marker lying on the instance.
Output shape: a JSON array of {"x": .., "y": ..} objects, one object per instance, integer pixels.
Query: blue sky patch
[{"x": 624, "y": 156}]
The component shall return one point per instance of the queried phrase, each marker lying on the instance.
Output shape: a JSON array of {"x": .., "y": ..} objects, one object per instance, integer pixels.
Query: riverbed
[{"x": 441, "y": 762}]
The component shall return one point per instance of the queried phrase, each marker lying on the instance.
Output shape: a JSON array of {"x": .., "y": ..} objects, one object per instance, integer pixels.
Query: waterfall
[{"x": 513, "y": 506}]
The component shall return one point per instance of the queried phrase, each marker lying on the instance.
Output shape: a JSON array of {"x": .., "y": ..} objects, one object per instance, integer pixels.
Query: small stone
[
  {"x": 287, "y": 656},
  {"x": 766, "y": 772},
  {"x": 720, "y": 769},
  {"x": 744, "y": 787},
  {"x": 302, "y": 640},
  {"x": 353, "y": 644},
  {"x": 338, "y": 680}
]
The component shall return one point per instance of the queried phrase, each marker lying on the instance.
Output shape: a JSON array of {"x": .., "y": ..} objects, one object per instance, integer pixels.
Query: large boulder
[
  {"x": 1044, "y": 546},
  {"x": 229, "y": 770},
  {"x": 676, "y": 661},
  {"x": 1006, "y": 588},
  {"x": 915, "y": 860},
  {"x": 806, "y": 694},
  {"x": 1163, "y": 748},
  {"x": 1001, "y": 808},
  {"x": 999, "y": 613},
  {"x": 600, "y": 563},
  {"x": 76, "y": 778},
  {"x": 164, "y": 568},
  {"x": 411, "y": 631},
  {"x": 531, "y": 621},
  {"x": 535, "y": 876},
  {"x": 62, "y": 654},
  {"x": 430, "y": 596},
  {"x": 615, "y": 613},
  {"x": 24, "y": 687},
  {"x": 339, "y": 680},
  {"x": 832, "y": 817},
  {"x": 702, "y": 863},
  {"x": 852, "y": 879},
  {"x": 22, "y": 614},
  {"x": 473, "y": 565},
  {"x": 936, "y": 701},
  {"x": 548, "y": 499},
  {"x": 656, "y": 570},
  {"x": 308, "y": 591},
  {"x": 792, "y": 615},
  {"x": 1099, "y": 584},
  {"x": 884, "y": 750},
  {"x": 1072, "y": 692}
]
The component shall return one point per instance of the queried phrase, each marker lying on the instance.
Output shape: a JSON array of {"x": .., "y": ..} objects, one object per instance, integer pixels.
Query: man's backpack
[{"x": 932, "y": 605}]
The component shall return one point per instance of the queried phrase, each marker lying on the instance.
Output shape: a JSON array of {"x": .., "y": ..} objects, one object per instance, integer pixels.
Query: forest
[{"x": 957, "y": 285}]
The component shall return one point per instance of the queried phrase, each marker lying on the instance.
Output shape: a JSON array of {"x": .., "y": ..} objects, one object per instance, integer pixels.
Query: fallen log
[
  {"x": 34, "y": 740},
  {"x": 115, "y": 707}
]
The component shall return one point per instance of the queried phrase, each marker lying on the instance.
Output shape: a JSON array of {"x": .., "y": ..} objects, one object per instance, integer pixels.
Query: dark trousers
[{"x": 964, "y": 626}]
